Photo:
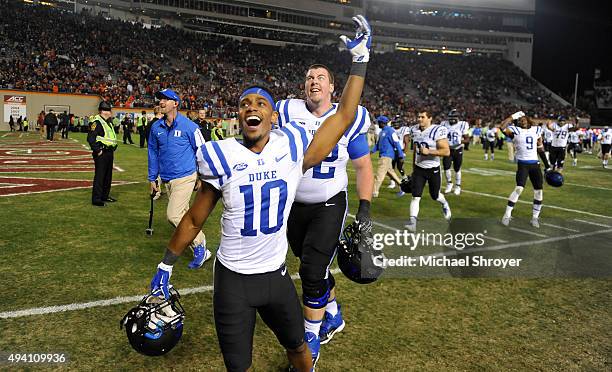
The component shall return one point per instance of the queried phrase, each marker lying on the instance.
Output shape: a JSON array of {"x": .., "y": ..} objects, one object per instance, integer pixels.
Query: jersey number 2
[
  {"x": 264, "y": 217},
  {"x": 316, "y": 171}
]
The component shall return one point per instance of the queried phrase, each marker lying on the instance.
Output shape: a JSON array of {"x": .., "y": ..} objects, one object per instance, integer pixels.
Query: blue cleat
[
  {"x": 200, "y": 255},
  {"x": 330, "y": 326},
  {"x": 314, "y": 344}
]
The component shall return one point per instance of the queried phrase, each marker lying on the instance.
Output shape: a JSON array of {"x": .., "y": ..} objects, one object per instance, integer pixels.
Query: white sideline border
[{"x": 109, "y": 302}]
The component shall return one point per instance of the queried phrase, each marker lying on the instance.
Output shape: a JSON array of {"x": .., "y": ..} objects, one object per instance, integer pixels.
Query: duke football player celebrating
[
  {"x": 560, "y": 131},
  {"x": 606, "y": 144},
  {"x": 258, "y": 181},
  {"x": 458, "y": 136},
  {"x": 527, "y": 139},
  {"x": 430, "y": 142},
  {"x": 320, "y": 207}
]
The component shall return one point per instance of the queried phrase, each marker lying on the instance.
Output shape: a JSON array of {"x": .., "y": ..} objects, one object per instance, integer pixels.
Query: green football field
[{"x": 72, "y": 271}]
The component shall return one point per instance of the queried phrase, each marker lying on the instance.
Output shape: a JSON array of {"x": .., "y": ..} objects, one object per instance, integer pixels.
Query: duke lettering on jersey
[
  {"x": 258, "y": 190},
  {"x": 456, "y": 132},
  {"x": 327, "y": 179},
  {"x": 428, "y": 138},
  {"x": 526, "y": 143},
  {"x": 560, "y": 134}
]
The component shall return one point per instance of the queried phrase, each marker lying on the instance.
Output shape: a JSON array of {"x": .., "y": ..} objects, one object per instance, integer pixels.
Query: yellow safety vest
[
  {"x": 140, "y": 121},
  {"x": 110, "y": 137}
]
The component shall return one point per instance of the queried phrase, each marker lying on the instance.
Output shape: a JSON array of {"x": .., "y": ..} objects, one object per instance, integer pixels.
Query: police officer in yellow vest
[{"x": 103, "y": 141}]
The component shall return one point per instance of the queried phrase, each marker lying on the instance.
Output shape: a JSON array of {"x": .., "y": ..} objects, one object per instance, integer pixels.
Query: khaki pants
[
  {"x": 371, "y": 139},
  {"x": 384, "y": 167},
  {"x": 510, "y": 151},
  {"x": 179, "y": 194}
]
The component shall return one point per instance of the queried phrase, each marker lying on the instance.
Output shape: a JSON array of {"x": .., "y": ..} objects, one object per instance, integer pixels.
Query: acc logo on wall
[{"x": 14, "y": 106}]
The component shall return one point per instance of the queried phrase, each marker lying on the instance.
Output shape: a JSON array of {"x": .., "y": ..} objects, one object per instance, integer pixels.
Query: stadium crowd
[{"x": 42, "y": 49}]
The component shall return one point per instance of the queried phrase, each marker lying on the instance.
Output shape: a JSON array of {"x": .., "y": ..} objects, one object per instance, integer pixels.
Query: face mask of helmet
[
  {"x": 155, "y": 326},
  {"x": 358, "y": 264}
]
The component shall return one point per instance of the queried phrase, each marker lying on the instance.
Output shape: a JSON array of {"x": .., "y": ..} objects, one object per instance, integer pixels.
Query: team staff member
[
  {"x": 173, "y": 143},
  {"x": 141, "y": 124},
  {"x": 389, "y": 148},
  {"x": 103, "y": 142}
]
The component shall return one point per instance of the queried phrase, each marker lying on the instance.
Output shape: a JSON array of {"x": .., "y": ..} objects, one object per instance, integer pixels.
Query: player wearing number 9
[
  {"x": 527, "y": 139},
  {"x": 257, "y": 180}
]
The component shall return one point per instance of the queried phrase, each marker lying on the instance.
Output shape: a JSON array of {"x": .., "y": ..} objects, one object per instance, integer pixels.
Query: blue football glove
[
  {"x": 360, "y": 46},
  {"x": 160, "y": 285}
]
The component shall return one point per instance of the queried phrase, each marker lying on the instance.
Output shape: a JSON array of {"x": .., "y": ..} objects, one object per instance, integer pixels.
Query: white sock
[
  {"x": 312, "y": 326},
  {"x": 486, "y": 157},
  {"x": 492, "y": 156},
  {"x": 442, "y": 200},
  {"x": 508, "y": 212},
  {"x": 458, "y": 178},
  {"x": 414, "y": 206},
  {"x": 332, "y": 307},
  {"x": 448, "y": 175},
  {"x": 537, "y": 207}
]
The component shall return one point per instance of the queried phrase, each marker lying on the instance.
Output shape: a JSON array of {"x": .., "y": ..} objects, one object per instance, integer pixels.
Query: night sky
[{"x": 571, "y": 36}]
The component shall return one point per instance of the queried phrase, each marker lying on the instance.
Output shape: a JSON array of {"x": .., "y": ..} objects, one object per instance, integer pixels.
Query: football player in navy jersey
[{"x": 258, "y": 181}]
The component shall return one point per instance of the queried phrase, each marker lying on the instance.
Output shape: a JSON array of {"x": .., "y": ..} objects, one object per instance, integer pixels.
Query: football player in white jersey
[
  {"x": 606, "y": 145},
  {"x": 573, "y": 146},
  {"x": 490, "y": 140},
  {"x": 258, "y": 181},
  {"x": 547, "y": 139},
  {"x": 527, "y": 139},
  {"x": 430, "y": 142},
  {"x": 317, "y": 216},
  {"x": 560, "y": 129},
  {"x": 458, "y": 136}
]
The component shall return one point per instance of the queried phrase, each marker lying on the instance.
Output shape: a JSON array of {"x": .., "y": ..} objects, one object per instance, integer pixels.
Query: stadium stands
[{"x": 43, "y": 49}]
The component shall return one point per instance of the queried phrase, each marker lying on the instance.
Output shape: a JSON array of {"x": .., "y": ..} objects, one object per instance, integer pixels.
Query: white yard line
[
  {"x": 592, "y": 223},
  {"x": 522, "y": 231},
  {"x": 102, "y": 303},
  {"x": 495, "y": 239},
  {"x": 589, "y": 187},
  {"x": 559, "y": 227},
  {"x": 544, "y": 205},
  {"x": 521, "y": 244}
]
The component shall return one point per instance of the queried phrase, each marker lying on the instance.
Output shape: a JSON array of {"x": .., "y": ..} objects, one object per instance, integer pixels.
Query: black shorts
[
  {"x": 557, "y": 157},
  {"x": 490, "y": 145},
  {"x": 572, "y": 147},
  {"x": 429, "y": 175},
  {"x": 313, "y": 231},
  {"x": 456, "y": 157},
  {"x": 605, "y": 149},
  {"x": 533, "y": 171},
  {"x": 547, "y": 146},
  {"x": 236, "y": 300}
]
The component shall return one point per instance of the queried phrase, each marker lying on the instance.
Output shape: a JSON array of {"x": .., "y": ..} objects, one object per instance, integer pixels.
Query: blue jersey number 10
[{"x": 264, "y": 213}]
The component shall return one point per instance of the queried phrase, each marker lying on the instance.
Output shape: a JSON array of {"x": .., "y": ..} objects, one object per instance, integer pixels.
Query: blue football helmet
[
  {"x": 357, "y": 258},
  {"x": 155, "y": 325},
  {"x": 554, "y": 179}
]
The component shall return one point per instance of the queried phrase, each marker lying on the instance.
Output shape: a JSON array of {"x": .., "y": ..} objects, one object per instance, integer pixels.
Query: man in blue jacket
[
  {"x": 173, "y": 142},
  {"x": 389, "y": 148}
]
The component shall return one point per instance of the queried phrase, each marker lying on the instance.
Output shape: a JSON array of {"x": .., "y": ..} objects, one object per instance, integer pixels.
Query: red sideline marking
[
  {"x": 49, "y": 169},
  {"x": 11, "y": 186},
  {"x": 45, "y": 153}
]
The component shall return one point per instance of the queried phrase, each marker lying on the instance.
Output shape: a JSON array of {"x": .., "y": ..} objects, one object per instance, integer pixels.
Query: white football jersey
[
  {"x": 322, "y": 182},
  {"x": 428, "y": 138},
  {"x": 456, "y": 132},
  {"x": 573, "y": 137},
  {"x": 606, "y": 137},
  {"x": 491, "y": 134},
  {"x": 548, "y": 134},
  {"x": 401, "y": 133},
  {"x": 526, "y": 143},
  {"x": 258, "y": 191},
  {"x": 560, "y": 134}
]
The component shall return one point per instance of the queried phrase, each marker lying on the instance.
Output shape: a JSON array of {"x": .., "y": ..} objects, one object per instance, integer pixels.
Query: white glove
[
  {"x": 518, "y": 115},
  {"x": 360, "y": 46}
]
